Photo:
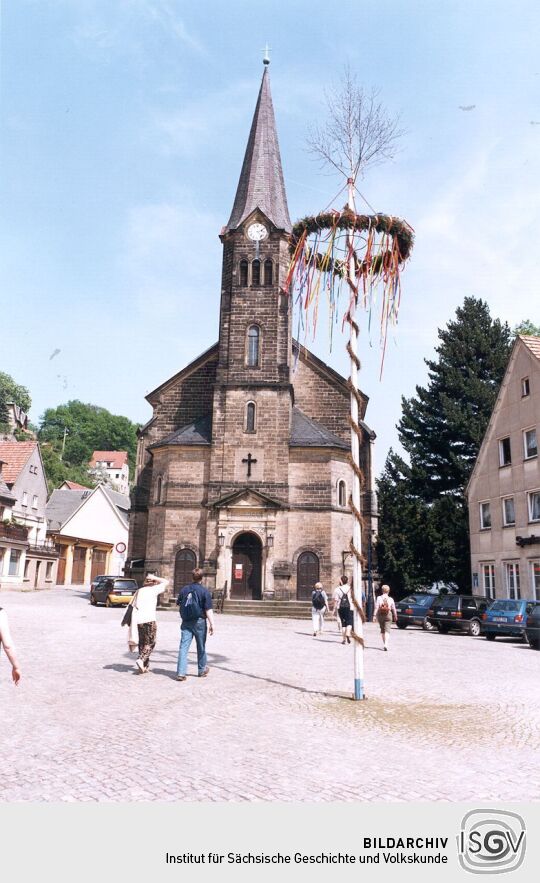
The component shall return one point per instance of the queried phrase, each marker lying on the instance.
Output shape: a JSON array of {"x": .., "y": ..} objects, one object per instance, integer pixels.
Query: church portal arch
[{"x": 246, "y": 574}]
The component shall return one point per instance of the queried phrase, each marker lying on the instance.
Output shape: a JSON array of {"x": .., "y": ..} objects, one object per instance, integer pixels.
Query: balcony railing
[
  {"x": 10, "y": 531},
  {"x": 43, "y": 549}
]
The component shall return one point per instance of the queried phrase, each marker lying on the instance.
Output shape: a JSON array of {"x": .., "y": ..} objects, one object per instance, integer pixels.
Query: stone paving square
[{"x": 274, "y": 720}]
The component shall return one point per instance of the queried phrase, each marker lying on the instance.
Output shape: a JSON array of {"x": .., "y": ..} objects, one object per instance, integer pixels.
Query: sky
[{"x": 123, "y": 129}]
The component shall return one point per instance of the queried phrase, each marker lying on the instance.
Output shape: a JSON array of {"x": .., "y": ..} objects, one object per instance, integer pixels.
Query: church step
[{"x": 286, "y": 609}]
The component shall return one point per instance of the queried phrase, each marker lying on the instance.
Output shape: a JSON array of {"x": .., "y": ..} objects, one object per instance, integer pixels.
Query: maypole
[{"x": 355, "y": 500}]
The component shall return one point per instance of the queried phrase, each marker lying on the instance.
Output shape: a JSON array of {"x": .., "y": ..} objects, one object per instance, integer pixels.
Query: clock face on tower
[{"x": 257, "y": 232}]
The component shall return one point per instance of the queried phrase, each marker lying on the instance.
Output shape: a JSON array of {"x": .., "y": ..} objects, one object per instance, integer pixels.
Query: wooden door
[
  {"x": 61, "y": 572},
  {"x": 246, "y": 568},
  {"x": 307, "y": 575},
  {"x": 79, "y": 558},
  {"x": 184, "y": 565},
  {"x": 99, "y": 559}
]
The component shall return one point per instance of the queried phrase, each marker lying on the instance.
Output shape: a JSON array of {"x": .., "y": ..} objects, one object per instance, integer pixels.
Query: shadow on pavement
[{"x": 246, "y": 674}]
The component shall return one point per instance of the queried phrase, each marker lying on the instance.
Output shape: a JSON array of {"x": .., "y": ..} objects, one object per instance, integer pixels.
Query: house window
[
  {"x": 485, "y": 515},
  {"x": 342, "y": 493},
  {"x": 256, "y": 273},
  {"x": 24, "y": 499},
  {"x": 268, "y": 272},
  {"x": 250, "y": 417},
  {"x": 243, "y": 273},
  {"x": 26, "y": 568},
  {"x": 509, "y": 513},
  {"x": 14, "y": 561},
  {"x": 534, "y": 505},
  {"x": 511, "y": 572},
  {"x": 535, "y": 579},
  {"x": 48, "y": 573},
  {"x": 253, "y": 346},
  {"x": 34, "y": 502},
  {"x": 488, "y": 579},
  {"x": 525, "y": 387},
  {"x": 505, "y": 453},
  {"x": 530, "y": 443}
]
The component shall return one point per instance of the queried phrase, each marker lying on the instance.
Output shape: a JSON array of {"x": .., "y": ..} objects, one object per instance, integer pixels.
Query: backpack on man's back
[
  {"x": 190, "y": 604},
  {"x": 317, "y": 600}
]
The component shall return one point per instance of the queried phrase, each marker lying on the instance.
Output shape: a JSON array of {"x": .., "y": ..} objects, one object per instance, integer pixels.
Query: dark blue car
[
  {"x": 413, "y": 610},
  {"x": 507, "y": 617}
]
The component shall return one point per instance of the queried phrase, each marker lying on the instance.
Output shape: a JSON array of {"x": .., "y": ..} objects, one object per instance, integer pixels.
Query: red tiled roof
[
  {"x": 533, "y": 343},
  {"x": 15, "y": 455},
  {"x": 117, "y": 458},
  {"x": 73, "y": 486}
]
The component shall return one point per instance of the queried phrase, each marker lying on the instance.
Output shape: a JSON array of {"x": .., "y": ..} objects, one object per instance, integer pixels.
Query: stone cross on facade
[{"x": 249, "y": 460}]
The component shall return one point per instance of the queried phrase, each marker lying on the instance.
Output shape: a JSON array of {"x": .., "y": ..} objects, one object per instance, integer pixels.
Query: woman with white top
[
  {"x": 7, "y": 643},
  {"x": 143, "y": 628},
  {"x": 385, "y": 614}
]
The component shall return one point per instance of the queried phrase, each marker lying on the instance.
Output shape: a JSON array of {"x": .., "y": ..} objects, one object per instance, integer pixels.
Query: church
[{"x": 244, "y": 468}]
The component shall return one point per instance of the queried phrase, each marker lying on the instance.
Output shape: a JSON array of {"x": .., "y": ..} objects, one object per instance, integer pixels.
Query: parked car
[
  {"x": 460, "y": 612},
  {"x": 532, "y": 627},
  {"x": 413, "y": 610},
  {"x": 100, "y": 578},
  {"x": 508, "y": 617},
  {"x": 113, "y": 591}
]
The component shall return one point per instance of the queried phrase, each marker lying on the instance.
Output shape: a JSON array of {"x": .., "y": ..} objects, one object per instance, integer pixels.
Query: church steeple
[{"x": 261, "y": 182}]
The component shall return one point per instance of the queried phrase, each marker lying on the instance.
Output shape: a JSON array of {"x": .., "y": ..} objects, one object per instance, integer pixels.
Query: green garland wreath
[{"x": 348, "y": 220}]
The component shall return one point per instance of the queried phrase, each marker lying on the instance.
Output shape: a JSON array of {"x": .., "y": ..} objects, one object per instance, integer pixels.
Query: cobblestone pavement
[{"x": 459, "y": 717}]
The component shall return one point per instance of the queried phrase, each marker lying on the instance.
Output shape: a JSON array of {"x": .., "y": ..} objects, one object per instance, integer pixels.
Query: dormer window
[
  {"x": 243, "y": 273},
  {"x": 253, "y": 346},
  {"x": 256, "y": 273},
  {"x": 268, "y": 272}
]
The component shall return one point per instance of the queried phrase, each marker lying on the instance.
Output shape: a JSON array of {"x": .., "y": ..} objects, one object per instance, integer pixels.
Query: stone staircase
[{"x": 285, "y": 609}]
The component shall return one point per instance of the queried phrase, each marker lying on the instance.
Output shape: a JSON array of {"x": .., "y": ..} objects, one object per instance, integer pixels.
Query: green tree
[
  {"x": 75, "y": 430},
  {"x": 441, "y": 430},
  {"x": 10, "y": 391},
  {"x": 57, "y": 471},
  {"x": 528, "y": 328}
]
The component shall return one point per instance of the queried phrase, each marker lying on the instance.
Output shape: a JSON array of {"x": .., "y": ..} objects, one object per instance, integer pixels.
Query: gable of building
[
  {"x": 96, "y": 518},
  {"x": 506, "y": 417},
  {"x": 322, "y": 394}
]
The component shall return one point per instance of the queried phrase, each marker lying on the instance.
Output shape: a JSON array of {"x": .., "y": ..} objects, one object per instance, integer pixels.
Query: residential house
[
  {"x": 90, "y": 530},
  {"x": 504, "y": 489},
  {"x": 27, "y": 558},
  {"x": 113, "y": 467}
]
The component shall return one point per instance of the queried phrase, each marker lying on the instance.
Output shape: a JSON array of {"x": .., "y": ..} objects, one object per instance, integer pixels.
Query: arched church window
[
  {"x": 342, "y": 493},
  {"x": 253, "y": 346},
  {"x": 256, "y": 273},
  {"x": 243, "y": 273},
  {"x": 268, "y": 272},
  {"x": 250, "y": 417}
]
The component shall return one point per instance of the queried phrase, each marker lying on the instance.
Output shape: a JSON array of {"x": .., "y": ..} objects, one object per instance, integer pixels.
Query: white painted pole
[{"x": 356, "y": 489}]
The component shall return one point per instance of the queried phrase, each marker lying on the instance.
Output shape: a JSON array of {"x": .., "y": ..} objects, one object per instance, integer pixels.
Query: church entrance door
[
  {"x": 307, "y": 575},
  {"x": 184, "y": 565},
  {"x": 246, "y": 567}
]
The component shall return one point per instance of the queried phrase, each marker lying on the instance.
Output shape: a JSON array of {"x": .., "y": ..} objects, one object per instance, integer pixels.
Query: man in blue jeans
[{"x": 195, "y": 602}]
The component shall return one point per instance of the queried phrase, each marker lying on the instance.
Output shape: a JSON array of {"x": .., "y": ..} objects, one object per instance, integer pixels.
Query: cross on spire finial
[{"x": 266, "y": 57}]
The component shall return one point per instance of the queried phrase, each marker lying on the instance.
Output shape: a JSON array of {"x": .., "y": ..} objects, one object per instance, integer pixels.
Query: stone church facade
[{"x": 244, "y": 467}]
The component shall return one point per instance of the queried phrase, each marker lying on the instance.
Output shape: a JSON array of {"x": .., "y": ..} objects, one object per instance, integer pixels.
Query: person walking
[
  {"x": 195, "y": 603},
  {"x": 7, "y": 643},
  {"x": 143, "y": 618},
  {"x": 343, "y": 608},
  {"x": 319, "y": 606},
  {"x": 385, "y": 614}
]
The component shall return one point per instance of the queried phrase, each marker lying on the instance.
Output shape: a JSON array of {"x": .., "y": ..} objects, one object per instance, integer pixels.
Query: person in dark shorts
[
  {"x": 385, "y": 614},
  {"x": 343, "y": 608}
]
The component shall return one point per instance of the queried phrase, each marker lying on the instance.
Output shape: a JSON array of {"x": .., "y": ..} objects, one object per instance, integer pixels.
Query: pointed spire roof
[{"x": 261, "y": 182}]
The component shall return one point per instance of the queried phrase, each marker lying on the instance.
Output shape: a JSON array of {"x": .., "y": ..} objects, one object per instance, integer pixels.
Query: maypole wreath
[{"x": 365, "y": 254}]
